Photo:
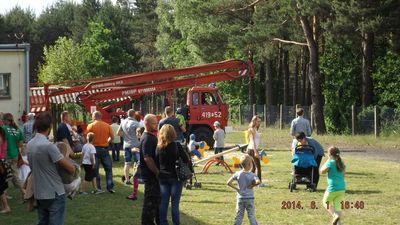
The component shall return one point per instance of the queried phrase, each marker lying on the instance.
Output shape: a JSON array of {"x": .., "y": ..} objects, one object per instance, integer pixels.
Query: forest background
[{"x": 327, "y": 54}]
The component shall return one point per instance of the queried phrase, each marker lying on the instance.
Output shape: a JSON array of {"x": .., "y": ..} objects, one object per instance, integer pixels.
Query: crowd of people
[{"x": 27, "y": 156}]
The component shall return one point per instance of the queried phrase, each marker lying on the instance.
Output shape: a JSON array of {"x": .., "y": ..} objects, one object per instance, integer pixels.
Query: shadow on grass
[
  {"x": 186, "y": 219},
  {"x": 213, "y": 183},
  {"x": 210, "y": 189},
  {"x": 364, "y": 192},
  {"x": 358, "y": 174},
  {"x": 205, "y": 201}
]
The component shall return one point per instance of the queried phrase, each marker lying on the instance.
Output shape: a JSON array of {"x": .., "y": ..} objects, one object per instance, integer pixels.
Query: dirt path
[{"x": 387, "y": 155}]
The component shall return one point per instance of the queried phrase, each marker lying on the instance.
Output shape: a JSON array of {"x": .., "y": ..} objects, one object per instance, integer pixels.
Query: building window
[{"x": 5, "y": 85}]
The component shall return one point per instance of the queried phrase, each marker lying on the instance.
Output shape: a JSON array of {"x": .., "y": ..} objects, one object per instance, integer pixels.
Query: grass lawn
[{"x": 374, "y": 182}]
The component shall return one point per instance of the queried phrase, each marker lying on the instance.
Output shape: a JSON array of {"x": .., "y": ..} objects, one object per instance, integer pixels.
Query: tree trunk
[
  {"x": 261, "y": 90},
  {"x": 251, "y": 84},
  {"x": 367, "y": 60},
  {"x": 279, "y": 75},
  {"x": 308, "y": 90},
  {"x": 304, "y": 76},
  {"x": 314, "y": 77},
  {"x": 395, "y": 41},
  {"x": 296, "y": 83},
  {"x": 269, "y": 94},
  {"x": 285, "y": 67}
]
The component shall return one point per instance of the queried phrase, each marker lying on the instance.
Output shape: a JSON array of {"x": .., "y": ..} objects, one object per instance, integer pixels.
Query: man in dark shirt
[
  {"x": 64, "y": 131},
  {"x": 170, "y": 119},
  {"x": 150, "y": 172}
]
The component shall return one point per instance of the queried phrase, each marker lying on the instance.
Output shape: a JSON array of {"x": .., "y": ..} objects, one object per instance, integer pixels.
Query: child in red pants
[{"x": 135, "y": 151}]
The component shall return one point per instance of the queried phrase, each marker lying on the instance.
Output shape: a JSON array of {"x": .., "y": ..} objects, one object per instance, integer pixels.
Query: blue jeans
[
  {"x": 51, "y": 211},
  {"x": 115, "y": 147},
  {"x": 245, "y": 205},
  {"x": 104, "y": 158},
  {"x": 170, "y": 189}
]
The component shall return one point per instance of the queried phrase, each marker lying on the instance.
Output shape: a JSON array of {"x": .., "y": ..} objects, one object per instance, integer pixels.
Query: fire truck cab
[{"x": 204, "y": 107}]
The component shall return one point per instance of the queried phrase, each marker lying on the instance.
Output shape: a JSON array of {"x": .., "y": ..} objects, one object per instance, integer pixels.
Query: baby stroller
[
  {"x": 189, "y": 183},
  {"x": 304, "y": 163}
]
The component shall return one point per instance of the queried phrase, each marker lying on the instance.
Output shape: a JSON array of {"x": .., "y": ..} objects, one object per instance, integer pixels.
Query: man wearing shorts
[{"x": 127, "y": 130}]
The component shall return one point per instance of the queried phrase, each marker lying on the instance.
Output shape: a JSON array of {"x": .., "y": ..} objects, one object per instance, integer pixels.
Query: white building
[{"x": 14, "y": 79}]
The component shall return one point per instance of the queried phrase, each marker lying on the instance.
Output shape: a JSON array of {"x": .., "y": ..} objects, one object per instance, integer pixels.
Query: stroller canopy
[{"x": 304, "y": 157}]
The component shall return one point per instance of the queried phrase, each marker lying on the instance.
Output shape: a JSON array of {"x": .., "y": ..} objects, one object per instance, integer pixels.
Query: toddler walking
[
  {"x": 88, "y": 161},
  {"x": 245, "y": 196},
  {"x": 136, "y": 174},
  {"x": 24, "y": 168},
  {"x": 334, "y": 193}
]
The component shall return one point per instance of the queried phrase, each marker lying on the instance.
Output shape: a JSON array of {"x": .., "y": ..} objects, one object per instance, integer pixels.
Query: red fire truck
[{"x": 204, "y": 104}]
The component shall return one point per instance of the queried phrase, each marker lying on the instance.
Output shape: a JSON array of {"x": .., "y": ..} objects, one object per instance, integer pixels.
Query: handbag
[{"x": 182, "y": 168}]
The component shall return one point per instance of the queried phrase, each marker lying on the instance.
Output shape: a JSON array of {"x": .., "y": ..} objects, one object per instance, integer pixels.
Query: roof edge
[{"x": 25, "y": 46}]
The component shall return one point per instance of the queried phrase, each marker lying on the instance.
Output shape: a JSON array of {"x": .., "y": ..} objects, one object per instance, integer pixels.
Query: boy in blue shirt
[
  {"x": 245, "y": 195},
  {"x": 194, "y": 145}
]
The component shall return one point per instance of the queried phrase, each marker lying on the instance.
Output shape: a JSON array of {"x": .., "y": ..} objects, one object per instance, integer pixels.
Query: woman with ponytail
[{"x": 334, "y": 193}]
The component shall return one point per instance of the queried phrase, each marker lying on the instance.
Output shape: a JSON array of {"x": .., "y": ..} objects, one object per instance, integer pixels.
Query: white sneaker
[
  {"x": 336, "y": 219},
  {"x": 262, "y": 185},
  {"x": 98, "y": 191}
]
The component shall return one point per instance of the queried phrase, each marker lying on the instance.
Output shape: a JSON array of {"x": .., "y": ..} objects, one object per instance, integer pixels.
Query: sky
[{"x": 36, "y": 5}]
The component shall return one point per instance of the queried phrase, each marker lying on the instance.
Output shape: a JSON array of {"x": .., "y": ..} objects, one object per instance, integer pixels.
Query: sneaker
[
  {"x": 83, "y": 193},
  {"x": 262, "y": 185},
  {"x": 336, "y": 219},
  {"x": 128, "y": 182},
  {"x": 98, "y": 191},
  {"x": 112, "y": 191}
]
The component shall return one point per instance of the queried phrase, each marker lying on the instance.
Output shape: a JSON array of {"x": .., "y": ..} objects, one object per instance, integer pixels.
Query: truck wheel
[{"x": 204, "y": 134}]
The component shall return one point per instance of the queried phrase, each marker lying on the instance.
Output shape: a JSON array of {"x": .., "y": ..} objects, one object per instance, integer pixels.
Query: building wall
[{"x": 12, "y": 61}]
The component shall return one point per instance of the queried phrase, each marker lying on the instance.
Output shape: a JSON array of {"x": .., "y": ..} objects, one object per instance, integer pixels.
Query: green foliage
[
  {"x": 120, "y": 20},
  {"x": 390, "y": 121},
  {"x": 387, "y": 80},
  {"x": 341, "y": 69},
  {"x": 145, "y": 28},
  {"x": 103, "y": 54},
  {"x": 18, "y": 25},
  {"x": 62, "y": 61},
  {"x": 175, "y": 48},
  {"x": 84, "y": 14}
]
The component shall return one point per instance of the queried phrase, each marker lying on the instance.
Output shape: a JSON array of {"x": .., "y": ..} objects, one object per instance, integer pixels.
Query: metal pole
[
  {"x": 240, "y": 115},
  {"x": 376, "y": 121},
  {"x": 281, "y": 117},
  {"x": 265, "y": 116},
  {"x": 353, "y": 120}
]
